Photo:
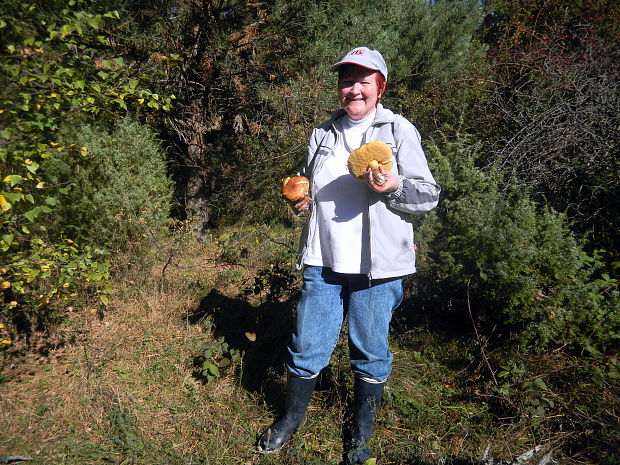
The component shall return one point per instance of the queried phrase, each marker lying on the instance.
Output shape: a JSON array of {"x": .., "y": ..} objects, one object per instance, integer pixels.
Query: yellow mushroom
[{"x": 372, "y": 155}]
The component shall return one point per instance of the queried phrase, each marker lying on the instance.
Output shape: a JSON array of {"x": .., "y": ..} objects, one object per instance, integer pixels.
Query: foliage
[
  {"x": 514, "y": 265},
  {"x": 214, "y": 358},
  {"x": 118, "y": 195},
  {"x": 556, "y": 71},
  {"x": 252, "y": 79},
  {"x": 39, "y": 285},
  {"x": 58, "y": 65}
]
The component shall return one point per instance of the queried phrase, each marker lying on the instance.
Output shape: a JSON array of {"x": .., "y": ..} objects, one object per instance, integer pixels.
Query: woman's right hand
[{"x": 301, "y": 205}]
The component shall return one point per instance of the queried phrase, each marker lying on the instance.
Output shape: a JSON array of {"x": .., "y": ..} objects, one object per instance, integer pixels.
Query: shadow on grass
[{"x": 260, "y": 333}]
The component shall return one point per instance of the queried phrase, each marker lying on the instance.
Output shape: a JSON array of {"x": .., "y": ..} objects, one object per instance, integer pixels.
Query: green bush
[
  {"x": 113, "y": 188},
  {"x": 514, "y": 264}
]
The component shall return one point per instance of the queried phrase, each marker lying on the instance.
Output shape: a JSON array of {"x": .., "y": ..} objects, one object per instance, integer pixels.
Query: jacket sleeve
[
  {"x": 417, "y": 190},
  {"x": 313, "y": 145}
]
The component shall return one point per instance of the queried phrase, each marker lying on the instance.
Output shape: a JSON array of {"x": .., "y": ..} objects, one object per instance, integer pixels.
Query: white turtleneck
[{"x": 341, "y": 242}]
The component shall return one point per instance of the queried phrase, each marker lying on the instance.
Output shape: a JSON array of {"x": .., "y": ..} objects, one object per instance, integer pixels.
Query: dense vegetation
[{"x": 130, "y": 130}]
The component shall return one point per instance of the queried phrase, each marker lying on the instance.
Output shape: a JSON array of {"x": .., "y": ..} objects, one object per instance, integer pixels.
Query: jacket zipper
[{"x": 371, "y": 128}]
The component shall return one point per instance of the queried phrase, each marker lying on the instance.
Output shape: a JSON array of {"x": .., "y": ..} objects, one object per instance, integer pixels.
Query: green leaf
[
  {"x": 94, "y": 21},
  {"x": 540, "y": 384},
  {"x": 32, "y": 167},
  {"x": 112, "y": 14},
  {"x": 211, "y": 368},
  {"x": 13, "y": 179},
  {"x": 12, "y": 196},
  {"x": 32, "y": 214},
  {"x": 104, "y": 299}
]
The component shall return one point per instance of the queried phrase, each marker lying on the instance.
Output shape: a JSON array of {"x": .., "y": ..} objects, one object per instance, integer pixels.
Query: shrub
[
  {"x": 513, "y": 263},
  {"x": 116, "y": 188}
]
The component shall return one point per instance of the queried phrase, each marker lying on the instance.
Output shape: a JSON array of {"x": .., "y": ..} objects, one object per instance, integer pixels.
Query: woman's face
[{"x": 358, "y": 91}]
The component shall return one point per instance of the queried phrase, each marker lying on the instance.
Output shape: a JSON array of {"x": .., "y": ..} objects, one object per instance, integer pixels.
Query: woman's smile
[{"x": 358, "y": 92}]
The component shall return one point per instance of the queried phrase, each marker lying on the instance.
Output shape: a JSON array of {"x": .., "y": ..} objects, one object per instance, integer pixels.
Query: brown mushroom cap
[
  {"x": 360, "y": 159},
  {"x": 295, "y": 188}
]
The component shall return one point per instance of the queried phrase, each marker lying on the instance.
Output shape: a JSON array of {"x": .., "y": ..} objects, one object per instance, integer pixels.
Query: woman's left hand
[{"x": 390, "y": 184}]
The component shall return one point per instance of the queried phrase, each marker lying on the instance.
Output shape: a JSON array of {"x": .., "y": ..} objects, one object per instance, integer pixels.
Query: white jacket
[{"x": 392, "y": 251}]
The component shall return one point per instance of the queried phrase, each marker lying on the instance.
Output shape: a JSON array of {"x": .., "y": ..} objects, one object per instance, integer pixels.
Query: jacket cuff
[{"x": 395, "y": 195}]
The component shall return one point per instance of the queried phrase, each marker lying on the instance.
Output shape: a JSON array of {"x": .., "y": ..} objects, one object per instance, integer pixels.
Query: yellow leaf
[
  {"x": 140, "y": 100},
  {"x": 41, "y": 185},
  {"x": 65, "y": 285},
  {"x": 251, "y": 336},
  {"x": 28, "y": 162},
  {"x": 5, "y": 285},
  {"x": 6, "y": 341}
]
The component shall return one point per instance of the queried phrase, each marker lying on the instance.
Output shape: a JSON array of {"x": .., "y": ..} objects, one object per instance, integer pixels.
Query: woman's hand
[
  {"x": 301, "y": 205},
  {"x": 390, "y": 184}
]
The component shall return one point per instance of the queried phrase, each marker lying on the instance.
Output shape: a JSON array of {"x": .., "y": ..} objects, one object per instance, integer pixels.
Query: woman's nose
[{"x": 355, "y": 88}]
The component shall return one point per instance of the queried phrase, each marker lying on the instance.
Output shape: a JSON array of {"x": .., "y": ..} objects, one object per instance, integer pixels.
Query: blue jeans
[{"x": 326, "y": 298}]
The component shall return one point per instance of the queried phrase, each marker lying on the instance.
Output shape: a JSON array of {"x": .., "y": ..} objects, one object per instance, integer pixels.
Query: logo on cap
[{"x": 357, "y": 52}]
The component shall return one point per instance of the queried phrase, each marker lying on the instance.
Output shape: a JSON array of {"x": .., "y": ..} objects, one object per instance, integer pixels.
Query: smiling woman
[
  {"x": 355, "y": 249},
  {"x": 359, "y": 90}
]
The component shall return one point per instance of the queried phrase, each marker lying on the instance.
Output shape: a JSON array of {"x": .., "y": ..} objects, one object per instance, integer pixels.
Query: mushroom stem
[{"x": 377, "y": 177}]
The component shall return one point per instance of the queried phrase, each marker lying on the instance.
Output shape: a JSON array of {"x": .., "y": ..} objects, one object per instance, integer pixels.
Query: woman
[{"x": 355, "y": 249}]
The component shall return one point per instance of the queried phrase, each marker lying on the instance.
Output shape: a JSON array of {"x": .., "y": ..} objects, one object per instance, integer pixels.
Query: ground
[{"x": 124, "y": 387}]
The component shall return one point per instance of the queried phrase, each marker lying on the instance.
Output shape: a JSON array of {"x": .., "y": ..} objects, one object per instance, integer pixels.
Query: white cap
[{"x": 364, "y": 57}]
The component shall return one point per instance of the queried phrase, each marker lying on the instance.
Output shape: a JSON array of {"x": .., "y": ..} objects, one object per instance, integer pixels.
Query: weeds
[{"x": 126, "y": 391}]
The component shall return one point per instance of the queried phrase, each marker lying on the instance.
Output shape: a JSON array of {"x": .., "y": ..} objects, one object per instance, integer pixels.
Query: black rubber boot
[
  {"x": 366, "y": 401},
  {"x": 298, "y": 394}
]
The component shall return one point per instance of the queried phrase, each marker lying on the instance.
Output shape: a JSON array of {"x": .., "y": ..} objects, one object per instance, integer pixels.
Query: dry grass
[{"x": 125, "y": 391}]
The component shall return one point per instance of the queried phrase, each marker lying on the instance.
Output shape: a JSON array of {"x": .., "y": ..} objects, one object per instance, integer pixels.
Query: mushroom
[
  {"x": 371, "y": 155},
  {"x": 295, "y": 188}
]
